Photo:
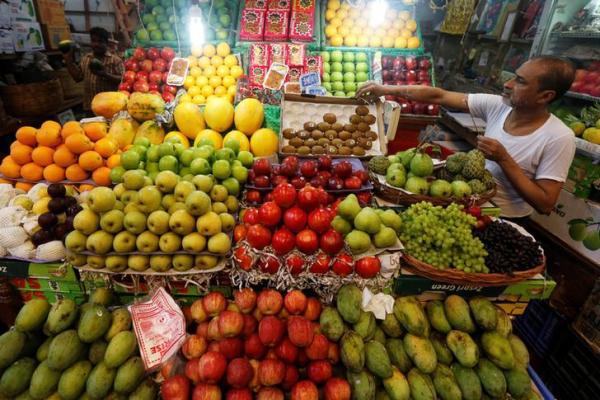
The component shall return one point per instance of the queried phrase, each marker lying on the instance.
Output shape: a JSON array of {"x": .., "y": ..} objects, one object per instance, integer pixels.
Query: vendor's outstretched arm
[
  {"x": 541, "y": 194},
  {"x": 423, "y": 94}
]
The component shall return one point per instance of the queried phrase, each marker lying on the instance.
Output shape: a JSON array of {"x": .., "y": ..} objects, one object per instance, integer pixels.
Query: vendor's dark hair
[
  {"x": 100, "y": 33},
  {"x": 557, "y": 74}
]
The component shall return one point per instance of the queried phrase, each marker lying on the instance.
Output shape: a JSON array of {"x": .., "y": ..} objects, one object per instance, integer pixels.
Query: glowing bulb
[
  {"x": 377, "y": 10},
  {"x": 196, "y": 25}
]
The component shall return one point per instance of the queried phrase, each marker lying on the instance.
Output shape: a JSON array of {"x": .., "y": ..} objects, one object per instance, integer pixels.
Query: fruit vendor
[
  {"x": 528, "y": 150},
  {"x": 100, "y": 70}
]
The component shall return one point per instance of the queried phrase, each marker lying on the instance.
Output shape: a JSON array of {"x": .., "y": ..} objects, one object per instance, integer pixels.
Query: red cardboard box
[
  {"x": 257, "y": 74},
  {"x": 296, "y": 53},
  {"x": 276, "y": 25},
  {"x": 259, "y": 54},
  {"x": 303, "y": 5},
  {"x": 256, "y": 5},
  {"x": 302, "y": 26},
  {"x": 314, "y": 64},
  {"x": 281, "y": 5},
  {"x": 278, "y": 53},
  {"x": 294, "y": 74},
  {"x": 252, "y": 25}
]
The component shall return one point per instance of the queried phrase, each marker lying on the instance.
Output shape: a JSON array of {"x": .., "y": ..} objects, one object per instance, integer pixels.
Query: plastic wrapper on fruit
[{"x": 379, "y": 304}]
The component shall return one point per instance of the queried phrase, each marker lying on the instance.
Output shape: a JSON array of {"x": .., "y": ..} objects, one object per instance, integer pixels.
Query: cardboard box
[
  {"x": 54, "y": 34},
  {"x": 51, "y": 12},
  {"x": 27, "y": 36},
  {"x": 6, "y": 41},
  {"x": 23, "y": 10},
  {"x": 52, "y": 297},
  {"x": 588, "y": 321}
]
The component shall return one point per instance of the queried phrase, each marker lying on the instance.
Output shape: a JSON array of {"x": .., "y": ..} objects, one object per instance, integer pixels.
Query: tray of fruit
[
  {"x": 166, "y": 268},
  {"x": 451, "y": 245},
  {"x": 340, "y": 175},
  {"x": 411, "y": 176}
]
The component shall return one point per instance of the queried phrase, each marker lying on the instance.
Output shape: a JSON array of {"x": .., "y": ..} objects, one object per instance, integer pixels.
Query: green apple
[
  {"x": 336, "y": 77},
  {"x": 186, "y": 157},
  {"x": 349, "y": 77},
  {"x": 86, "y": 221},
  {"x": 167, "y": 201},
  {"x": 325, "y": 56},
  {"x": 209, "y": 224},
  {"x": 337, "y": 56},
  {"x": 158, "y": 222},
  {"x": 101, "y": 199},
  {"x": 226, "y": 154},
  {"x": 179, "y": 149},
  {"x": 361, "y": 57},
  {"x": 339, "y": 94},
  {"x": 112, "y": 221},
  {"x": 130, "y": 159},
  {"x": 166, "y": 149},
  {"x": 124, "y": 242},
  {"x": 232, "y": 185},
  {"x": 75, "y": 241},
  {"x": 200, "y": 166},
  {"x": 186, "y": 174},
  {"x": 349, "y": 87},
  {"x": 149, "y": 199},
  {"x": 197, "y": 203},
  {"x": 116, "y": 174},
  {"x": 182, "y": 190},
  {"x": 183, "y": 262},
  {"x": 141, "y": 150},
  {"x": 193, "y": 242},
  {"x": 142, "y": 141},
  {"x": 147, "y": 18},
  {"x": 96, "y": 262},
  {"x": 152, "y": 167},
  {"x": 116, "y": 263},
  {"x": 176, "y": 206},
  {"x": 349, "y": 67},
  {"x": 147, "y": 242},
  {"x": 169, "y": 242},
  {"x": 337, "y": 86},
  {"x": 227, "y": 222},
  {"x": 119, "y": 189},
  {"x": 205, "y": 262},
  {"x": 78, "y": 260},
  {"x": 181, "y": 222},
  {"x": 327, "y": 67},
  {"x": 133, "y": 180},
  {"x": 147, "y": 181},
  {"x": 232, "y": 204},
  {"x": 327, "y": 86},
  {"x": 362, "y": 67},
  {"x": 130, "y": 207},
  {"x": 348, "y": 56},
  {"x": 138, "y": 263},
  {"x": 219, "y": 207},
  {"x": 219, "y": 193},
  {"x": 99, "y": 242},
  {"x": 119, "y": 205},
  {"x": 221, "y": 169},
  {"x": 219, "y": 243},
  {"x": 246, "y": 158},
  {"x": 143, "y": 34},
  {"x": 204, "y": 183},
  {"x": 135, "y": 222},
  {"x": 160, "y": 263},
  {"x": 152, "y": 154},
  {"x": 362, "y": 77},
  {"x": 351, "y": 94},
  {"x": 129, "y": 196},
  {"x": 168, "y": 163},
  {"x": 205, "y": 151},
  {"x": 337, "y": 67},
  {"x": 326, "y": 77},
  {"x": 166, "y": 181}
]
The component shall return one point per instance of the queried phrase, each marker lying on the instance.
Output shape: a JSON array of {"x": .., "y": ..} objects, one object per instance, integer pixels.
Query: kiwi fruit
[
  {"x": 363, "y": 127},
  {"x": 296, "y": 142},
  {"x": 318, "y": 149},
  {"x": 337, "y": 127},
  {"x": 332, "y": 149},
  {"x": 287, "y": 149},
  {"x": 364, "y": 143},
  {"x": 288, "y": 133},
  {"x": 350, "y": 128},
  {"x": 345, "y": 151},
  {"x": 358, "y": 151},
  {"x": 361, "y": 110},
  {"x": 372, "y": 135},
  {"x": 331, "y": 134},
  {"x": 303, "y": 134},
  {"x": 304, "y": 150},
  {"x": 337, "y": 142},
  {"x": 351, "y": 142},
  {"x": 345, "y": 135},
  {"x": 310, "y": 142},
  {"x": 329, "y": 118},
  {"x": 323, "y": 126},
  {"x": 356, "y": 135},
  {"x": 323, "y": 141},
  {"x": 317, "y": 134},
  {"x": 369, "y": 119},
  {"x": 310, "y": 126},
  {"x": 356, "y": 119}
]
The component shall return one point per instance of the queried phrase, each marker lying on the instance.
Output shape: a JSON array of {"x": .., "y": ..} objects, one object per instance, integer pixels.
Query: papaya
[
  {"x": 129, "y": 375},
  {"x": 484, "y": 313},
  {"x": 43, "y": 381},
  {"x": 396, "y": 386},
  {"x": 468, "y": 381},
  {"x": 409, "y": 312},
  {"x": 443, "y": 353},
  {"x": 398, "y": 357},
  {"x": 518, "y": 382},
  {"x": 352, "y": 351},
  {"x": 32, "y": 315},
  {"x": 391, "y": 326},
  {"x": 382, "y": 395},
  {"x": 332, "y": 325},
  {"x": 362, "y": 385},
  {"x": 94, "y": 323},
  {"x": 32, "y": 342},
  {"x": 421, "y": 386},
  {"x": 72, "y": 382},
  {"x": 107, "y": 104},
  {"x": 437, "y": 316},
  {"x": 65, "y": 350},
  {"x": 458, "y": 314},
  {"x": 120, "y": 348},
  {"x": 42, "y": 351},
  {"x": 463, "y": 347},
  {"x": 62, "y": 315},
  {"x": 121, "y": 321},
  {"x": 218, "y": 114},
  {"x": 491, "y": 377},
  {"x": 115, "y": 396},
  {"x": 379, "y": 336},
  {"x": 152, "y": 131},
  {"x": 97, "y": 350},
  {"x": 102, "y": 296},
  {"x": 445, "y": 383},
  {"x": 100, "y": 381},
  {"x": 16, "y": 378},
  {"x": 24, "y": 396},
  {"x": 519, "y": 350},
  {"x": 145, "y": 391},
  {"x": 498, "y": 350},
  {"x": 348, "y": 302},
  {"x": 421, "y": 352},
  {"x": 145, "y": 106},
  {"x": 11, "y": 346},
  {"x": 189, "y": 119},
  {"x": 249, "y": 116},
  {"x": 504, "y": 324},
  {"x": 365, "y": 326},
  {"x": 377, "y": 359},
  {"x": 123, "y": 130}
]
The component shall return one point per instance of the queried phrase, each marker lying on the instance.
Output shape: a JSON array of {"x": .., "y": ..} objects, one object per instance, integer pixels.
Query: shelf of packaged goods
[
  {"x": 582, "y": 96},
  {"x": 577, "y": 35}
]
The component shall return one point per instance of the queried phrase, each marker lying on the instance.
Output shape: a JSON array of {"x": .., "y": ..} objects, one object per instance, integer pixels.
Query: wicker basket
[
  {"x": 397, "y": 196},
  {"x": 70, "y": 88},
  {"x": 461, "y": 278},
  {"x": 32, "y": 99}
]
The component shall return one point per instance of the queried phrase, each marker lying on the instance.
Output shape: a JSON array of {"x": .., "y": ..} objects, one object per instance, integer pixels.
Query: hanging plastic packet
[
  {"x": 276, "y": 76},
  {"x": 178, "y": 71}
]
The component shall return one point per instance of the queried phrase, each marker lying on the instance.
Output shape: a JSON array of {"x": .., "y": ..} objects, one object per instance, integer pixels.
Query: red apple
[
  {"x": 245, "y": 299},
  {"x": 141, "y": 86},
  {"x": 304, "y": 390},
  {"x": 175, "y": 388},
  {"x": 254, "y": 348},
  {"x": 194, "y": 346},
  {"x": 337, "y": 389},
  {"x": 231, "y": 347},
  {"x": 126, "y": 86},
  {"x": 270, "y": 330},
  {"x": 342, "y": 265},
  {"x": 313, "y": 309},
  {"x": 167, "y": 53},
  {"x": 271, "y": 372},
  {"x": 211, "y": 367},
  {"x": 319, "y": 371},
  {"x": 231, "y": 323},
  {"x": 295, "y": 302},
  {"x": 368, "y": 267},
  {"x": 139, "y": 54},
  {"x": 239, "y": 373},
  {"x": 206, "y": 392},
  {"x": 152, "y": 53},
  {"x": 286, "y": 351},
  {"x": 269, "y": 302},
  {"x": 300, "y": 331},
  {"x": 214, "y": 303},
  {"x": 146, "y": 65},
  {"x": 238, "y": 394}
]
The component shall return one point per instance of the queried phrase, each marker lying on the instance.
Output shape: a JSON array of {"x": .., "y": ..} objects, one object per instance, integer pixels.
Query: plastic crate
[{"x": 539, "y": 327}]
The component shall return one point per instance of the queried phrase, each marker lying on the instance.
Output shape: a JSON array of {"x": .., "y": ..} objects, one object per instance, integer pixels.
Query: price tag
[
  {"x": 310, "y": 79},
  {"x": 159, "y": 326},
  {"x": 390, "y": 262},
  {"x": 316, "y": 90}
]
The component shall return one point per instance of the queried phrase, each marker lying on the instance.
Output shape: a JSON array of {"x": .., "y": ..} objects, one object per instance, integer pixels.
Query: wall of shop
[{"x": 98, "y": 13}]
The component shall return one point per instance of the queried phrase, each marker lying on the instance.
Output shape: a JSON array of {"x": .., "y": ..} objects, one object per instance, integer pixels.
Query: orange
[
  {"x": 54, "y": 173},
  {"x": 95, "y": 130},
  {"x": 26, "y": 135},
  {"x": 75, "y": 173},
  {"x": 413, "y": 43},
  {"x": 71, "y": 128},
  {"x": 79, "y": 143},
  {"x": 113, "y": 161},
  {"x": 21, "y": 153},
  {"x": 90, "y": 160},
  {"x": 42, "y": 156},
  {"x": 10, "y": 168},
  {"x": 63, "y": 157},
  {"x": 32, "y": 172},
  {"x": 5, "y": 181},
  {"x": 85, "y": 187},
  {"x": 53, "y": 125},
  {"x": 49, "y": 135},
  {"x": 102, "y": 176},
  {"x": 23, "y": 186},
  {"x": 106, "y": 147}
]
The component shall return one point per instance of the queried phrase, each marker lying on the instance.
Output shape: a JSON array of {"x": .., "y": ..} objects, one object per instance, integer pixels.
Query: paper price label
[
  {"x": 390, "y": 262},
  {"x": 310, "y": 79}
]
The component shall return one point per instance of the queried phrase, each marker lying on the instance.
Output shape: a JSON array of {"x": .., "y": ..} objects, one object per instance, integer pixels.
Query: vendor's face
[
  {"x": 523, "y": 91},
  {"x": 98, "y": 45}
]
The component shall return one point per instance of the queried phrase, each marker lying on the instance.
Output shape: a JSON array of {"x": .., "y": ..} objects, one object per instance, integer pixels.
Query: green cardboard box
[{"x": 52, "y": 297}]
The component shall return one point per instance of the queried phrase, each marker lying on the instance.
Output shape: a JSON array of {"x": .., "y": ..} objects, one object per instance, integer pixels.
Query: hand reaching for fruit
[{"x": 371, "y": 91}]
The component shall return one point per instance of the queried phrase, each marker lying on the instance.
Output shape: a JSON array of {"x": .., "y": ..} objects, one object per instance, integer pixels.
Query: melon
[
  {"x": 151, "y": 130},
  {"x": 240, "y": 137},
  {"x": 249, "y": 116},
  {"x": 145, "y": 106},
  {"x": 209, "y": 136},
  {"x": 189, "y": 119},
  {"x": 107, "y": 104},
  {"x": 218, "y": 114},
  {"x": 264, "y": 142},
  {"x": 123, "y": 131}
]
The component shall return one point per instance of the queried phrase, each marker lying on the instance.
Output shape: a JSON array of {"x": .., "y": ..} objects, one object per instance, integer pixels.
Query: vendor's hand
[
  {"x": 492, "y": 149},
  {"x": 370, "y": 91}
]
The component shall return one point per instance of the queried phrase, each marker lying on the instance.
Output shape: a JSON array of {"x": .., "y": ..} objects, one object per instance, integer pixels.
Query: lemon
[
  {"x": 380, "y": 32},
  {"x": 223, "y": 49},
  {"x": 399, "y": 24},
  {"x": 341, "y": 14},
  {"x": 590, "y": 134},
  {"x": 201, "y": 81},
  {"x": 231, "y": 90},
  {"x": 177, "y": 137},
  {"x": 230, "y": 60},
  {"x": 189, "y": 82},
  {"x": 350, "y": 41},
  {"x": 185, "y": 98},
  {"x": 335, "y": 22},
  {"x": 361, "y": 23},
  {"x": 330, "y": 31},
  {"x": 207, "y": 91},
  {"x": 345, "y": 7},
  {"x": 362, "y": 41},
  {"x": 400, "y": 43},
  {"x": 209, "y": 71},
  {"x": 216, "y": 61},
  {"x": 413, "y": 43},
  {"x": 228, "y": 81},
  {"x": 329, "y": 14},
  {"x": 199, "y": 99},
  {"x": 203, "y": 62},
  {"x": 343, "y": 31},
  {"x": 193, "y": 91},
  {"x": 337, "y": 40},
  {"x": 230, "y": 97},
  {"x": 195, "y": 71},
  {"x": 405, "y": 33},
  {"x": 333, "y": 4},
  {"x": 391, "y": 14},
  {"x": 214, "y": 81},
  {"x": 222, "y": 70},
  {"x": 236, "y": 71},
  {"x": 375, "y": 41},
  {"x": 213, "y": 136},
  {"x": 240, "y": 137},
  {"x": 411, "y": 25},
  {"x": 192, "y": 61},
  {"x": 220, "y": 91},
  {"x": 388, "y": 42},
  {"x": 354, "y": 13},
  {"x": 41, "y": 206},
  {"x": 196, "y": 50},
  {"x": 404, "y": 15},
  {"x": 264, "y": 142},
  {"x": 209, "y": 50}
]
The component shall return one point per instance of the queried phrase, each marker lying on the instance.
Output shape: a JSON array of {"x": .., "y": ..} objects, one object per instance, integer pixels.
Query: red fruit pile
[
  {"x": 587, "y": 80},
  {"x": 260, "y": 343},
  {"x": 146, "y": 71},
  {"x": 409, "y": 70}
]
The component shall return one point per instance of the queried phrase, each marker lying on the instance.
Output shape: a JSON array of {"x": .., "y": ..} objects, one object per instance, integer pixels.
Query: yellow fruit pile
[
  {"x": 213, "y": 71},
  {"x": 349, "y": 26},
  {"x": 73, "y": 152}
]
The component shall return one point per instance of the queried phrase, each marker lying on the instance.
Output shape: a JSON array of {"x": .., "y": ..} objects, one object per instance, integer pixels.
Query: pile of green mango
[
  {"x": 64, "y": 351},
  {"x": 451, "y": 350}
]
